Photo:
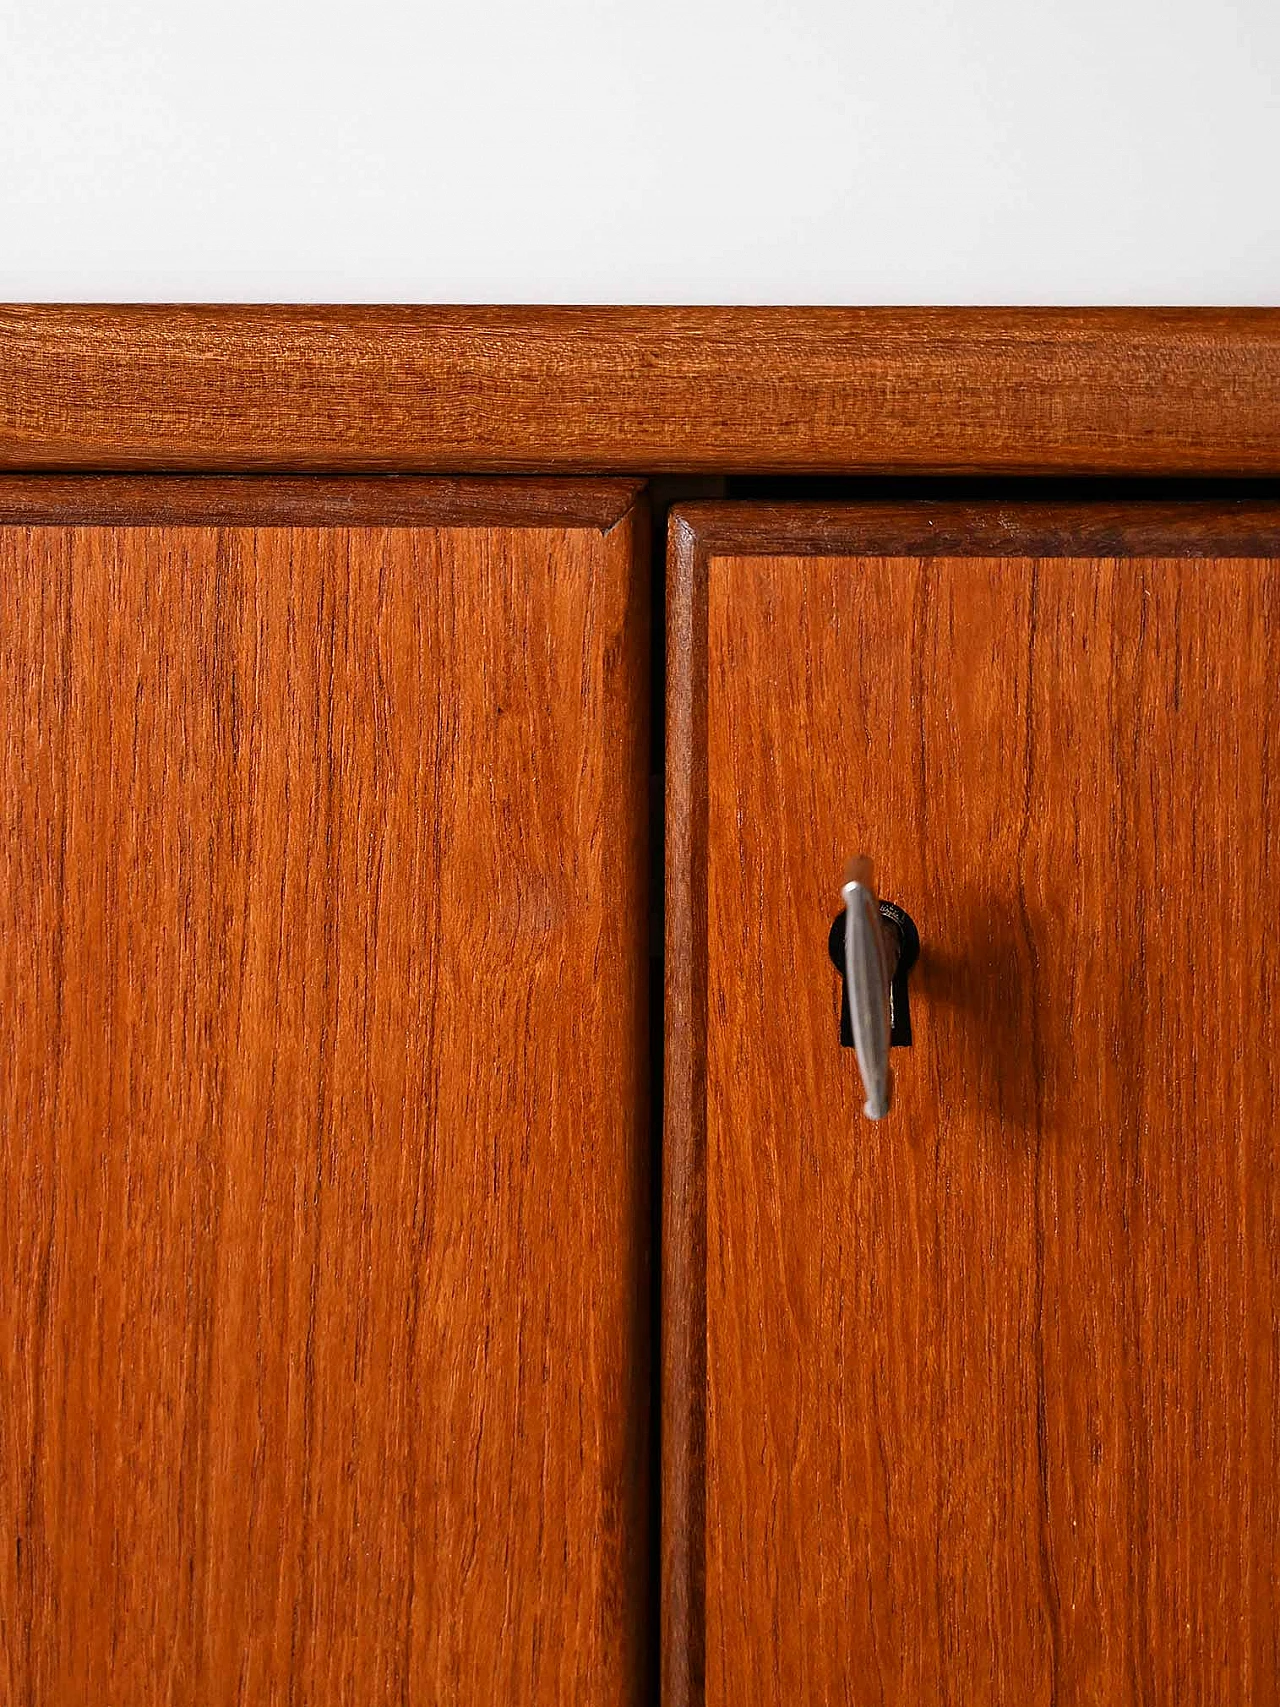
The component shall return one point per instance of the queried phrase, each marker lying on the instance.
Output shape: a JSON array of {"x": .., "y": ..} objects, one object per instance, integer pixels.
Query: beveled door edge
[{"x": 684, "y": 1181}]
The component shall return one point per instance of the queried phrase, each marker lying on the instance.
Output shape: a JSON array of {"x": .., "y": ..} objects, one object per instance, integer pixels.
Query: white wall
[{"x": 946, "y": 151}]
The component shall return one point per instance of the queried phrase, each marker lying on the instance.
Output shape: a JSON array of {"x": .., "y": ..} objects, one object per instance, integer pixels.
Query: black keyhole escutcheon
[{"x": 903, "y": 925}]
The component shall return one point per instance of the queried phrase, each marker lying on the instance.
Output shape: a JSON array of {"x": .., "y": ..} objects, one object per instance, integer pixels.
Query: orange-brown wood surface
[
  {"x": 641, "y": 389},
  {"x": 989, "y": 1409},
  {"x": 323, "y": 1199}
]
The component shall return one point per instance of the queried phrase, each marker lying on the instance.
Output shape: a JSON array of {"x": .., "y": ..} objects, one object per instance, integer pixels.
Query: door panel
[
  {"x": 323, "y": 1137},
  {"x": 976, "y": 1403}
]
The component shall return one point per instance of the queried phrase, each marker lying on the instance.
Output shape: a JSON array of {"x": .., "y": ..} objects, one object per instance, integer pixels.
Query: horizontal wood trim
[
  {"x": 923, "y": 528},
  {"x": 1158, "y": 392},
  {"x": 265, "y": 501}
]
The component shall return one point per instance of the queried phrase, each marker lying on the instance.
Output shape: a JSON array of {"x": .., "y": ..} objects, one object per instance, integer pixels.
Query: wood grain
[
  {"x": 641, "y": 390},
  {"x": 989, "y": 1410},
  {"x": 323, "y": 1137}
]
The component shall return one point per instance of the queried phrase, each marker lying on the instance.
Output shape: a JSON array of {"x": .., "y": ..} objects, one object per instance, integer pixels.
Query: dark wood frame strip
[
  {"x": 683, "y": 1422},
  {"x": 1013, "y": 527},
  {"x": 699, "y": 532},
  {"x": 1160, "y": 392},
  {"x": 112, "y": 500}
]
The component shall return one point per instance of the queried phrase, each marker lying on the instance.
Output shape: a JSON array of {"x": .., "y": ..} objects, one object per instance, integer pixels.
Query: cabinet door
[
  {"x": 978, "y": 1402},
  {"x": 323, "y": 1199}
]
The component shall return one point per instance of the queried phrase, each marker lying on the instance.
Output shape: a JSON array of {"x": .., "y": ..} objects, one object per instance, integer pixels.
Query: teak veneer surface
[
  {"x": 979, "y": 1403},
  {"x": 642, "y": 390},
  {"x": 324, "y": 1213}
]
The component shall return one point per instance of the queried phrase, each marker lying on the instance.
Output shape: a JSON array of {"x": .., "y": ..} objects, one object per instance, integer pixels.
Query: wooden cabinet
[
  {"x": 978, "y": 1402},
  {"x": 332, "y": 1028},
  {"x": 324, "y": 1203}
]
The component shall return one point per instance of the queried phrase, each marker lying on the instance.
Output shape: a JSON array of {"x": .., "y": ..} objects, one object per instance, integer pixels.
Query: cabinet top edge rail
[{"x": 1017, "y": 391}]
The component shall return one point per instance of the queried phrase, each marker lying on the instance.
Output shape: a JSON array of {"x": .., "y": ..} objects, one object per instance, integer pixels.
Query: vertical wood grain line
[{"x": 1035, "y": 1050}]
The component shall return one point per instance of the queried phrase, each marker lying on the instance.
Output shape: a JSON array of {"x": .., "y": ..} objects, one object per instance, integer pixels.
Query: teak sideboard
[{"x": 445, "y": 1253}]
